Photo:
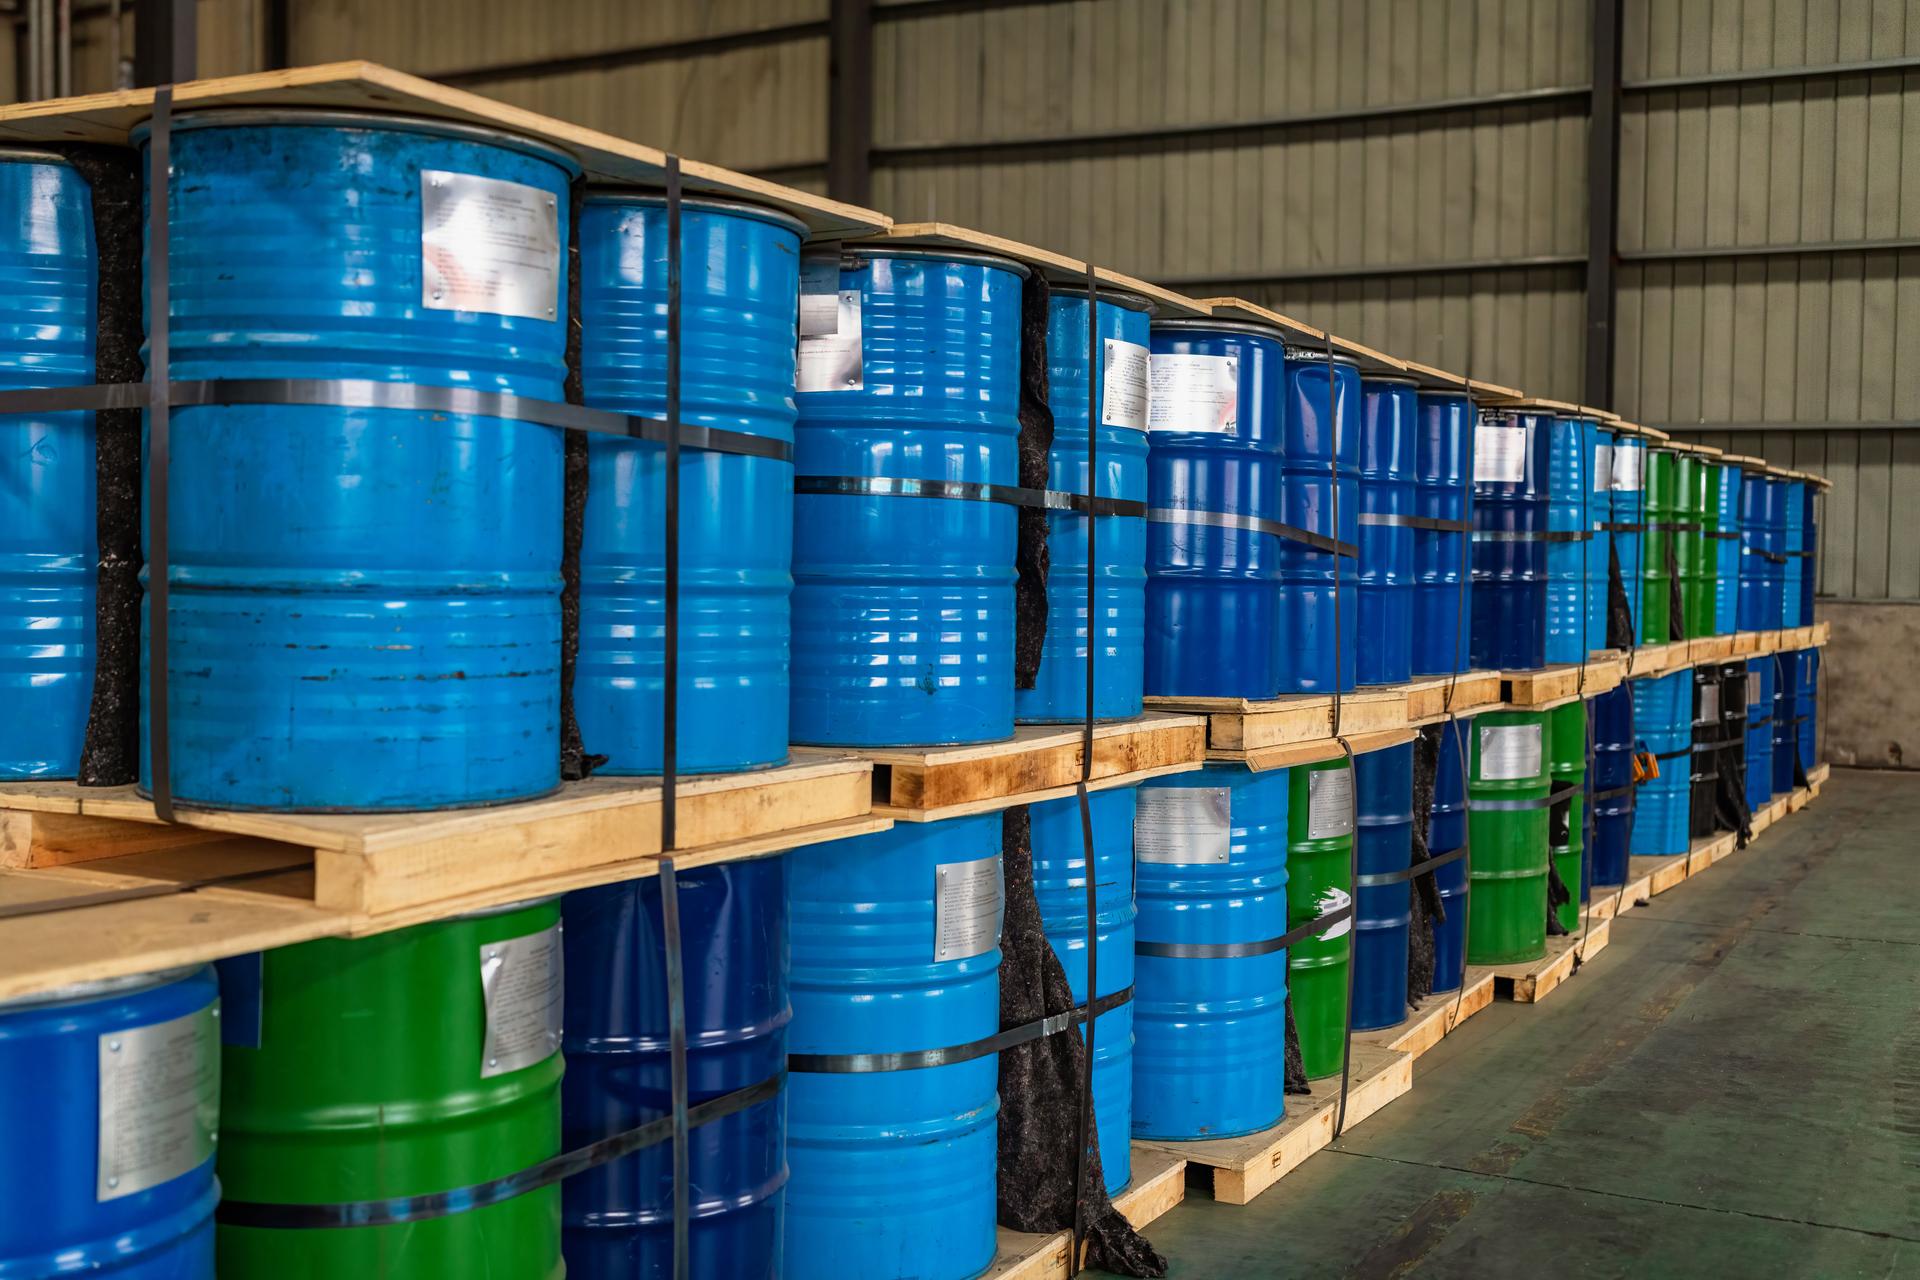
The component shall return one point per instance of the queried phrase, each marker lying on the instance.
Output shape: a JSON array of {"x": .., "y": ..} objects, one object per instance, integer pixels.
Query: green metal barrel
[
  {"x": 1566, "y": 821},
  {"x": 412, "y": 1062},
  {"x": 1698, "y": 482},
  {"x": 1507, "y": 798},
  {"x": 1663, "y": 512},
  {"x": 1320, "y": 880}
]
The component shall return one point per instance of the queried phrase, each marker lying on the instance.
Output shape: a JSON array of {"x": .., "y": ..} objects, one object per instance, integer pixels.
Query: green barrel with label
[
  {"x": 1507, "y": 796},
  {"x": 420, "y": 1061},
  {"x": 1320, "y": 880},
  {"x": 1698, "y": 482},
  {"x": 1656, "y": 578},
  {"x": 1567, "y": 817}
]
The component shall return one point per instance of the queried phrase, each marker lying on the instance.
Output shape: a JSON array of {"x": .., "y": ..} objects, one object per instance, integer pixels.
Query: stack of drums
[
  {"x": 1663, "y": 724},
  {"x": 1213, "y": 590},
  {"x": 1443, "y": 490},
  {"x": 1612, "y": 789},
  {"x": 1569, "y": 544},
  {"x": 1793, "y": 533},
  {"x": 1697, "y": 485},
  {"x": 1726, "y": 542},
  {"x": 1447, "y": 831},
  {"x": 1119, "y": 542},
  {"x": 1599, "y": 448},
  {"x": 1320, "y": 875},
  {"x": 1210, "y": 995},
  {"x": 1761, "y": 540},
  {"x": 1509, "y": 547},
  {"x": 1509, "y": 795},
  {"x": 1388, "y": 432},
  {"x": 1760, "y": 713},
  {"x": 1810, "y": 549},
  {"x": 1806, "y": 688},
  {"x": 1567, "y": 817},
  {"x": 1704, "y": 773},
  {"x": 1786, "y": 730},
  {"x": 1629, "y": 525},
  {"x": 1381, "y": 901},
  {"x": 1730, "y": 751},
  {"x": 1319, "y": 591},
  {"x": 1663, "y": 513}
]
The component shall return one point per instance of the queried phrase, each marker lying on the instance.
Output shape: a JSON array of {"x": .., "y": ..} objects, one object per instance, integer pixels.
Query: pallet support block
[
  {"x": 1533, "y": 981},
  {"x": 1437, "y": 1017}
]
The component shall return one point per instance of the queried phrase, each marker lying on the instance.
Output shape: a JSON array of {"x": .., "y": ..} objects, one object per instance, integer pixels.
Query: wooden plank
[
  {"x": 1314, "y": 751},
  {"x": 1057, "y": 266},
  {"x": 1662, "y": 873},
  {"x": 1159, "y": 1183},
  {"x": 1471, "y": 692},
  {"x": 1436, "y": 1018},
  {"x": 1608, "y": 903},
  {"x": 1706, "y": 851},
  {"x": 1534, "y": 980},
  {"x": 1235, "y": 724},
  {"x": 30, "y": 838},
  {"x": 1550, "y": 686}
]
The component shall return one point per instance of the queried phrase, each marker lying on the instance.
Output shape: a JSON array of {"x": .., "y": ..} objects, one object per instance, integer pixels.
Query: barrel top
[
  {"x": 1559, "y": 408},
  {"x": 1056, "y": 267},
  {"x": 1650, "y": 434},
  {"x": 1442, "y": 380},
  {"x": 1300, "y": 333}
]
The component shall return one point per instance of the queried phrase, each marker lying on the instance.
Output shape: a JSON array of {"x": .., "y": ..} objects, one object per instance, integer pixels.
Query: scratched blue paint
[
  {"x": 1442, "y": 567},
  {"x": 1388, "y": 447},
  {"x": 1319, "y": 591}
]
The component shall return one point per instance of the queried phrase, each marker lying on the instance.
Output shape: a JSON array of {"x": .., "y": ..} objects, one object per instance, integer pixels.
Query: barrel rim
[
  {"x": 340, "y": 118},
  {"x": 33, "y": 155},
  {"x": 95, "y": 988},
  {"x": 1318, "y": 355},
  {"x": 857, "y": 255},
  {"x": 1390, "y": 379},
  {"x": 649, "y": 197},
  {"x": 1103, "y": 293},
  {"x": 1248, "y": 328},
  {"x": 508, "y": 908}
]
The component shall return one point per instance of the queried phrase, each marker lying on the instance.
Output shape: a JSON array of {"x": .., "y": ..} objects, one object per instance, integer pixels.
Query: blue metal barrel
[
  {"x": 1599, "y": 447},
  {"x": 1762, "y": 539},
  {"x": 1810, "y": 540},
  {"x": 903, "y": 606},
  {"x": 618, "y": 1218},
  {"x": 1570, "y": 551},
  {"x": 1760, "y": 712},
  {"x": 1442, "y": 569},
  {"x": 1611, "y": 786},
  {"x": 1210, "y": 850},
  {"x": 1060, "y": 886},
  {"x": 1786, "y": 705},
  {"x": 1215, "y": 439},
  {"x": 1389, "y": 429},
  {"x": 1793, "y": 539},
  {"x": 1320, "y": 494},
  {"x": 48, "y": 550},
  {"x": 1509, "y": 555},
  {"x": 736, "y": 513},
  {"x": 1382, "y": 912},
  {"x": 1447, "y": 831},
  {"x": 1663, "y": 725},
  {"x": 1629, "y": 500},
  {"x": 1120, "y": 542},
  {"x": 366, "y": 602},
  {"x": 1805, "y": 698},
  {"x": 1726, "y": 553},
  {"x": 896, "y": 947},
  {"x": 110, "y": 1100}
]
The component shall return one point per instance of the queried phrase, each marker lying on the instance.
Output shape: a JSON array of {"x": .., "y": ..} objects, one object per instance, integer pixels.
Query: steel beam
[
  {"x": 1370, "y": 271},
  {"x": 632, "y": 55},
  {"x": 1603, "y": 205},
  {"x": 850, "y": 101},
  {"x": 165, "y": 42}
]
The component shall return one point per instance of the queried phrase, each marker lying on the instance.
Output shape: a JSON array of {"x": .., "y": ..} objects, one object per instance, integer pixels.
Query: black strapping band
[
  {"x": 1241, "y": 950},
  {"x": 159, "y": 446},
  {"x": 1623, "y": 526},
  {"x": 1556, "y": 793},
  {"x": 1252, "y": 524},
  {"x": 1540, "y": 535},
  {"x": 1675, "y": 526},
  {"x": 1625, "y": 789},
  {"x": 1771, "y": 557},
  {"x": 1722, "y": 534},
  {"x": 1429, "y": 523},
  {"x": 919, "y": 1059},
  {"x": 1758, "y": 722},
  {"x": 966, "y": 491},
  {"x": 1375, "y": 880},
  {"x": 1673, "y": 755}
]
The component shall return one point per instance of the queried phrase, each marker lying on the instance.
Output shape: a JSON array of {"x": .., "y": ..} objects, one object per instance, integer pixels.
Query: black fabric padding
[
  {"x": 1296, "y": 1065},
  {"x": 1036, "y": 444},
  {"x": 1730, "y": 798},
  {"x": 575, "y": 763},
  {"x": 1676, "y": 607},
  {"x": 1619, "y": 607},
  {"x": 1426, "y": 904},
  {"x": 1558, "y": 895}
]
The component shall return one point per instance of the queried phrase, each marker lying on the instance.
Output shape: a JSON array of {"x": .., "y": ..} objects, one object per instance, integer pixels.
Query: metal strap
[
  {"x": 967, "y": 491},
  {"x": 1559, "y": 791},
  {"x": 669, "y": 744},
  {"x": 1675, "y": 526},
  {"x": 1673, "y": 755},
  {"x": 1722, "y": 534},
  {"x": 159, "y": 446},
  {"x": 1251, "y": 524},
  {"x": 920, "y": 1059},
  {"x": 1611, "y": 792},
  {"x": 1544, "y": 535},
  {"x": 1083, "y": 1120},
  {"x": 1623, "y": 526},
  {"x": 1771, "y": 557},
  {"x": 1758, "y": 722},
  {"x": 1405, "y": 874},
  {"x": 1240, "y": 950},
  {"x": 1429, "y": 523}
]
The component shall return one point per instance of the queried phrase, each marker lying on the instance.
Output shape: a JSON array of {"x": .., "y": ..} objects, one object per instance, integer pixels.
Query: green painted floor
[{"x": 1731, "y": 1088}]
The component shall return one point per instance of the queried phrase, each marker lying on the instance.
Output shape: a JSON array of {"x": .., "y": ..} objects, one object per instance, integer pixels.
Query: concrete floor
[{"x": 1732, "y": 1088}]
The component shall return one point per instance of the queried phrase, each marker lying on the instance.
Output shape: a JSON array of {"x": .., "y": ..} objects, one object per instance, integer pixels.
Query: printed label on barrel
[
  {"x": 1183, "y": 824},
  {"x": 1123, "y": 385},
  {"x": 521, "y": 982},
  {"x": 1626, "y": 468},
  {"x": 1602, "y": 468},
  {"x": 968, "y": 903},
  {"x": 1331, "y": 900},
  {"x": 819, "y": 296},
  {"x": 159, "y": 1102},
  {"x": 1753, "y": 688},
  {"x": 1499, "y": 454},
  {"x": 1509, "y": 751},
  {"x": 834, "y": 361},
  {"x": 1194, "y": 393},
  {"x": 488, "y": 245},
  {"x": 1329, "y": 803}
]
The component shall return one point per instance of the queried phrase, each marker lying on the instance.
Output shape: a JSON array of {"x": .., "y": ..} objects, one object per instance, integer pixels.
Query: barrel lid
[
  {"x": 1391, "y": 379},
  {"x": 1118, "y": 297},
  {"x": 716, "y": 204},
  {"x": 325, "y": 118},
  {"x": 1319, "y": 355},
  {"x": 32, "y": 155},
  {"x": 506, "y": 908},
  {"x": 75, "y": 992},
  {"x": 1201, "y": 324},
  {"x": 867, "y": 250}
]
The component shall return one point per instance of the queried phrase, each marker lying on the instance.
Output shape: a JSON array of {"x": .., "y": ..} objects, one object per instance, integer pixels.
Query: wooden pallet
[
  {"x": 1662, "y": 872},
  {"x": 1746, "y": 644},
  {"x": 1159, "y": 1183},
  {"x": 1241, "y": 1168},
  {"x": 1534, "y": 980},
  {"x": 1546, "y": 687},
  {"x": 1315, "y": 751},
  {"x": 1708, "y": 850},
  {"x": 1245, "y": 725},
  {"x": 1656, "y": 659},
  {"x": 1607, "y": 903},
  {"x": 1437, "y": 1017},
  {"x": 1057, "y": 267},
  {"x": 1472, "y": 692}
]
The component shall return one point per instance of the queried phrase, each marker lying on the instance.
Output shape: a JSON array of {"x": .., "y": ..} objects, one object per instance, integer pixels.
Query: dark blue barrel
[
  {"x": 1611, "y": 786},
  {"x": 48, "y": 549},
  {"x": 1663, "y": 725},
  {"x": 1442, "y": 568},
  {"x": 1793, "y": 535},
  {"x": 1211, "y": 853},
  {"x": 1447, "y": 831},
  {"x": 736, "y": 513},
  {"x": 109, "y": 1100},
  {"x": 1760, "y": 711},
  {"x": 1810, "y": 540},
  {"x": 1805, "y": 698},
  {"x": 1570, "y": 549},
  {"x": 1599, "y": 442},
  {"x": 1786, "y": 731},
  {"x": 619, "y": 1217},
  {"x": 1761, "y": 536},
  {"x": 1629, "y": 520},
  {"x": 365, "y": 602},
  {"x": 1509, "y": 554},
  {"x": 1213, "y": 580},
  {"x": 1321, "y": 494},
  {"x": 1120, "y": 542},
  {"x": 903, "y": 606},
  {"x": 1382, "y": 912},
  {"x": 896, "y": 947},
  {"x": 1389, "y": 430},
  {"x": 1726, "y": 552},
  {"x": 1060, "y": 887}
]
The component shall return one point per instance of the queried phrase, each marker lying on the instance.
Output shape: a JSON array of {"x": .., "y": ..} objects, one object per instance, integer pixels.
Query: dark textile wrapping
[
  {"x": 1730, "y": 809},
  {"x": 1427, "y": 907},
  {"x": 1296, "y": 1065},
  {"x": 575, "y": 763},
  {"x": 1036, "y": 442},
  {"x": 1558, "y": 896},
  {"x": 1676, "y": 607},
  {"x": 1619, "y": 609},
  {"x": 1040, "y": 1085}
]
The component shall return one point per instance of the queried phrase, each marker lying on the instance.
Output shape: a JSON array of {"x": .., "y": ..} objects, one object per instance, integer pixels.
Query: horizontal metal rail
[
  {"x": 1887, "y": 245},
  {"x": 1370, "y": 271}
]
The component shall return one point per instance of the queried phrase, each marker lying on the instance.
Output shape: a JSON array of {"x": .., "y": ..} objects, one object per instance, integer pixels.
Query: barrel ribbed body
[
  {"x": 1760, "y": 713},
  {"x": 1663, "y": 726},
  {"x": 1213, "y": 590},
  {"x": 1793, "y": 540},
  {"x": 1786, "y": 730},
  {"x": 1726, "y": 543},
  {"x": 1657, "y": 560},
  {"x": 1119, "y": 542},
  {"x": 1320, "y": 494},
  {"x": 1599, "y": 517},
  {"x": 1442, "y": 565},
  {"x": 736, "y": 513},
  {"x": 1447, "y": 831},
  {"x": 1060, "y": 886},
  {"x": 1730, "y": 749},
  {"x": 1567, "y": 817},
  {"x": 1570, "y": 548},
  {"x": 86, "y": 1074},
  {"x": 1320, "y": 833},
  {"x": 1704, "y": 769},
  {"x": 48, "y": 548},
  {"x": 1508, "y": 811},
  {"x": 896, "y": 947},
  {"x": 1211, "y": 852},
  {"x": 1810, "y": 541},
  {"x": 733, "y": 930},
  {"x": 1697, "y": 485},
  {"x": 1382, "y": 912},
  {"x": 1611, "y": 788},
  {"x": 1806, "y": 697},
  {"x": 1389, "y": 413},
  {"x": 374, "y": 1070},
  {"x": 1509, "y": 551},
  {"x": 365, "y": 606},
  {"x": 903, "y": 606},
  {"x": 1629, "y": 499},
  {"x": 1761, "y": 542}
]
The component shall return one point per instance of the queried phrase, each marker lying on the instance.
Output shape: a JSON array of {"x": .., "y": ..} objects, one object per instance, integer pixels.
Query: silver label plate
[
  {"x": 1330, "y": 803},
  {"x": 488, "y": 245},
  {"x": 1183, "y": 824},
  {"x": 159, "y": 1102},
  {"x": 521, "y": 980},
  {"x": 1509, "y": 751},
  {"x": 968, "y": 903}
]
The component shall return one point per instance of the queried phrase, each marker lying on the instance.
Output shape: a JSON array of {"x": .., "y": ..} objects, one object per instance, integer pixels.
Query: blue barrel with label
[
  {"x": 1509, "y": 551},
  {"x": 1810, "y": 540},
  {"x": 618, "y": 1217},
  {"x": 903, "y": 612},
  {"x": 1611, "y": 788},
  {"x": 1761, "y": 541},
  {"x": 1060, "y": 887},
  {"x": 1442, "y": 567},
  {"x": 736, "y": 513},
  {"x": 1389, "y": 431},
  {"x": 1793, "y": 534},
  {"x": 365, "y": 609},
  {"x": 1319, "y": 613},
  {"x": 1726, "y": 542},
  {"x": 1805, "y": 699},
  {"x": 896, "y": 948},
  {"x": 1383, "y": 909},
  {"x": 1599, "y": 517},
  {"x": 1786, "y": 731},
  {"x": 1570, "y": 541},
  {"x": 1210, "y": 1000},
  {"x": 1213, "y": 577},
  {"x": 1663, "y": 726},
  {"x": 1629, "y": 501},
  {"x": 1760, "y": 711},
  {"x": 110, "y": 1102},
  {"x": 1447, "y": 831},
  {"x": 48, "y": 547},
  {"x": 1059, "y": 692}
]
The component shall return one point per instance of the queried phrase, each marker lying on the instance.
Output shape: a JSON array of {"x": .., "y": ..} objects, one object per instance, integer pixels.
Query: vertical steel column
[
  {"x": 279, "y": 34},
  {"x": 850, "y": 101},
  {"x": 165, "y": 42},
  {"x": 1603, "y": 205}
]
